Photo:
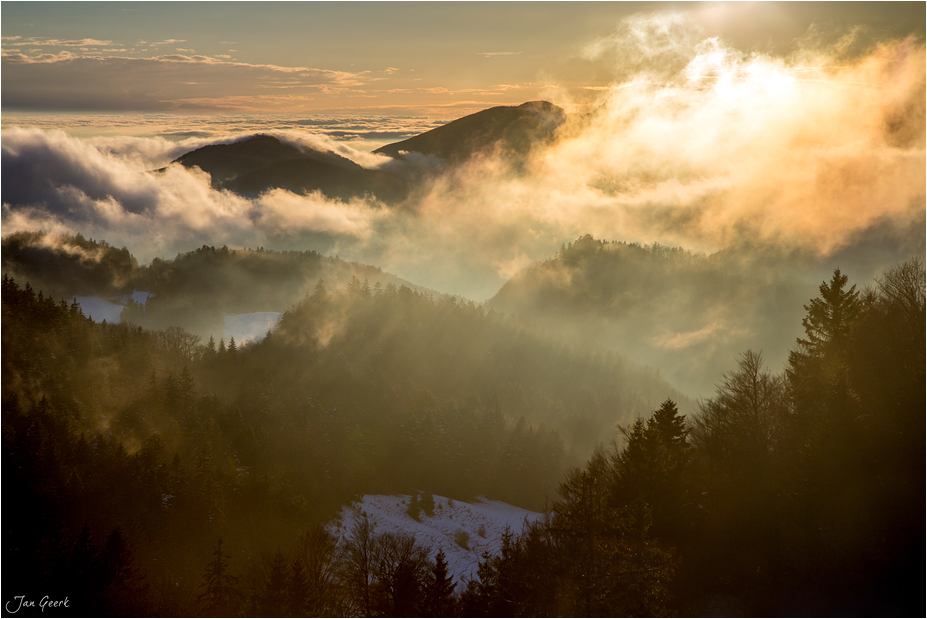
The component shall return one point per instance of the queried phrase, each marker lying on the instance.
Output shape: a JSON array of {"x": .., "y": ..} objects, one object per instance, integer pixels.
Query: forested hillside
[
  {"x": 688, "y": 314},
  {"x": 164, "y": 443},
  {"x": 192, "y": 290},
  {"x": 169, "y": 474},
  {"x": 68, "y": 266},
  {"x": 788, "y": 494}
]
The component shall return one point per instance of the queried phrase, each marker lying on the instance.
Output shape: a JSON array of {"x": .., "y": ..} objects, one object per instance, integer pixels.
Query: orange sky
[{"x": 440, "y": 59}]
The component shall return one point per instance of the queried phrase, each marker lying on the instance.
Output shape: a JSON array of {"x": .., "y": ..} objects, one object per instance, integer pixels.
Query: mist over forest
[{"x": 679, "y": 320}]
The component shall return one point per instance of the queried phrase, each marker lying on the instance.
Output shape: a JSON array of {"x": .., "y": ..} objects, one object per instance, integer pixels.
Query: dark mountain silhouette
[
  {"x": 263, "y": 162},
  {"x": 515, "y": 130}
]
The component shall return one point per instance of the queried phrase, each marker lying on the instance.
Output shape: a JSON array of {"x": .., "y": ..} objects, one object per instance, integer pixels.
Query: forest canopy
[{"x": 133, "y": 450}]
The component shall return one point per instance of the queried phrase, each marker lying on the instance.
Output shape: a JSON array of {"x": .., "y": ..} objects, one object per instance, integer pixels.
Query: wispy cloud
[
  {"x": 168, "y": 81},
  {"x": 704, "y": 146},
  {"x": 46, "y": 42},
  {"x": 93, "y": 187},
  {"x": 491, "y": 54}
]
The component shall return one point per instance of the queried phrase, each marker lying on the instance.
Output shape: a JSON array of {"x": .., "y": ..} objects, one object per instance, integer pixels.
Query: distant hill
[
  {"x": 68, "y": 265},
  {"x": 262, "y": 162},
  {"x": 688, "y": 314},
  {"x": 192, "y": 290},
  {"x": 514, "y": 130}
]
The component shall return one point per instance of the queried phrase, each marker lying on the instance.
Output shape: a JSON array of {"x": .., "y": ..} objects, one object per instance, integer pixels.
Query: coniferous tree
[
  {"x": 439, "y": 600},
  {"x": 273, "y": 597},
  {"x": 221, "y": 596},
  {"x": 818, "y": 369},
  {"x": 653, "y": 469},
  {"x": 428, "y": 504},
  {"x": 126, "y": 591},
  {"x": 298, "y": 590}
]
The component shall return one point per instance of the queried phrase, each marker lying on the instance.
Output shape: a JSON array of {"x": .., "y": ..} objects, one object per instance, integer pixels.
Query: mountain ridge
[
  {"x": 513, "y": 129},
  {"x": 262, "y": 162}
]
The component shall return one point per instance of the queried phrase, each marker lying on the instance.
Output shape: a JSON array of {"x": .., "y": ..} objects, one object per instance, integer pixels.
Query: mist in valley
[
  {"x": 681, "y": 313},
  {"x": 781, "y": 168}
]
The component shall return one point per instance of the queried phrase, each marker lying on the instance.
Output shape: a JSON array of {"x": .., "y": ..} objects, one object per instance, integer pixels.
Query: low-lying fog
[{"x": 800, "y": 163}]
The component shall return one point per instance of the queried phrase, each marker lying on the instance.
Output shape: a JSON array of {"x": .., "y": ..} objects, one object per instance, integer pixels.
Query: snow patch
[
  {"x": 480, "y": 523},
  {"x": 243, "y": 327},
  {"x": 250, "y": 327},
  {"x": 99, "y": 309},
  {"x": 139, "y": 296}
]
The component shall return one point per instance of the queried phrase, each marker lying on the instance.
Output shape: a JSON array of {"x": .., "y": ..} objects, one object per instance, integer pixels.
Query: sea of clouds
[{"x": 696, "y": 144}]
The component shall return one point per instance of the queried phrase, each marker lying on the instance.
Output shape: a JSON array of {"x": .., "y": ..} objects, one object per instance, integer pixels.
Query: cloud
[
  {"x": 166, "y": 82},
  {"x": 12, "y": 58},
  {"x": 705, "y": 147},
  {"x": 105, "y": 190},
  {"x": 805, "y": 151},
  {"x": 279, "y": 210},
  {"x": 692, "y": 143},
  {"x": 491, "y": 54},
  {"x": 45, "y": 42},
  {"x": 717, "y": 330}
]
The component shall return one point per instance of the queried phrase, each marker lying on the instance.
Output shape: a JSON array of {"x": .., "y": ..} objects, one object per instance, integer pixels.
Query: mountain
[
  {"x": 514, "y": 130},
  {"x": 262, "y": 162}
]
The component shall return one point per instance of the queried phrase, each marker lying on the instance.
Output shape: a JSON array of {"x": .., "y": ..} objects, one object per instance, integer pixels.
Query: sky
[
  {"x": 438, "y": 59},
  {"x": 799, "y": 125}
]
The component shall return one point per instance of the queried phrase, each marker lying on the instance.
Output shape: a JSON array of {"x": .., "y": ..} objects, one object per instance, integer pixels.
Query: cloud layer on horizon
[{"x": 704, "y": 146}]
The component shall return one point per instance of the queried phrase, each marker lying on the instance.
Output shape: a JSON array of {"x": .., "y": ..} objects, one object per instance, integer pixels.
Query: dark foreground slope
[
  {"x": 116, "y": 435},
  {"x": 151, "y": 478},
  {"x": 784, "y": 495}
]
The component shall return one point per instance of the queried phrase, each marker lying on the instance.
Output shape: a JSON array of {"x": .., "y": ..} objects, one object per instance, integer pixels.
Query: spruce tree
[
  {"x": 439, "y": 590},
  {"x": 220, "y": 596},
  {"x": 819, "y": 365}
]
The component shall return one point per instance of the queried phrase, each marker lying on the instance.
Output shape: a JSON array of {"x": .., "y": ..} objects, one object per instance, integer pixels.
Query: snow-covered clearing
[
  {"x": 253, "y": 326},
  {"x": 139, "y": 296},
  {"x": 479, "y": 525},
  {"x": 243, "y": 327},
  {"x": 100, "y": 309}
]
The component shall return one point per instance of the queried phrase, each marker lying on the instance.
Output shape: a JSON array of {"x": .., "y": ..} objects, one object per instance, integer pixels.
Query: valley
[{"x": 603, "y": 309}]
